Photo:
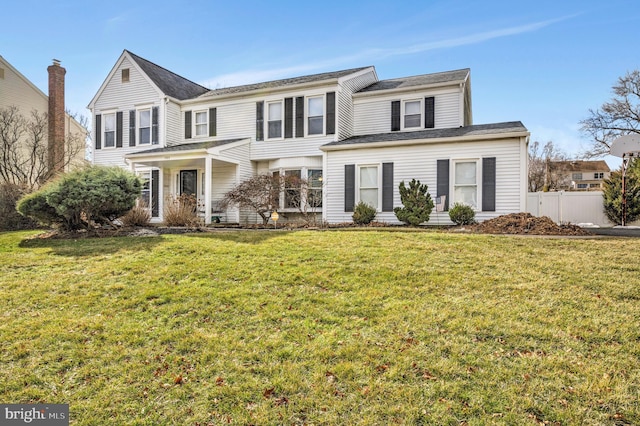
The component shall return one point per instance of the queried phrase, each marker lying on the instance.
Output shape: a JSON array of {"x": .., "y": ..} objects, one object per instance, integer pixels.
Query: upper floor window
[
  {"x": 412, "y": 114},
  {"x": 576, "y": 176},
  {"x": 315, "y": 115},
  {"x": 274, "y": 120},
  {"x": 109, "y": 130},
  {"x": 144, "y": 127},
  {"x": 201, "y": 123},
  {"x": 598, "y": 175},
  {"x": 465, "y": 184}
]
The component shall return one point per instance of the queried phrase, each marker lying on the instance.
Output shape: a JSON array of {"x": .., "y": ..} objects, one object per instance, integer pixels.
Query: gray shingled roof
[
  {"x": 188, "y": 147},
  {"x": 456, "y": 132},
  {"x": 417, "y": 80},
  {"x": 283, "y": 82},
  {"x": 170, "y": 83}
]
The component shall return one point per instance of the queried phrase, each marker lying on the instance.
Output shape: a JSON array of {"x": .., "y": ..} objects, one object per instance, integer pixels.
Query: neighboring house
[
  {"x": 17, "y": 91},
  {"x": 580, "y": 175},
  {"x": 354, "y": 137}
]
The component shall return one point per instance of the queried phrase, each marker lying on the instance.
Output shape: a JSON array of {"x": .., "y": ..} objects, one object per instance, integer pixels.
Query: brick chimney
[{"x": 56, "y": 118}]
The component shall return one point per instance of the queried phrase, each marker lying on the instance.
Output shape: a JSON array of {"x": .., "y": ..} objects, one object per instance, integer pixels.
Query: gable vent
[{"x": 125, "y": 75}]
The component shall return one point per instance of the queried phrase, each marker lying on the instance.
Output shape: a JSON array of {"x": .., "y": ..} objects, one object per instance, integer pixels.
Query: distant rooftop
[{"x": 581, "y": 166}]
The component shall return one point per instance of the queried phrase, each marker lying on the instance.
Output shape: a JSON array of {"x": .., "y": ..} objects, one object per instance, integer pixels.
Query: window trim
[
  {"x": 307, "y": 116},
  {"x": 358, "y": 186},
  {"x": 103, "y": 131},
  {"x": 403, "y": 114},
  {"x": 478, "y": 183},
  {"x": 140, "y": 127},
  {"x": 195, "y": 123},
  {"x": 304, "y": 171},
  {"x": 268, "y": 120}
]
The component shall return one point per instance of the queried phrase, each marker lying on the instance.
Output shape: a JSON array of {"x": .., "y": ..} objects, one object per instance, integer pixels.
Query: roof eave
[
  {"x": 421, "y": 141},
  {"x": 383, "y": 92}
]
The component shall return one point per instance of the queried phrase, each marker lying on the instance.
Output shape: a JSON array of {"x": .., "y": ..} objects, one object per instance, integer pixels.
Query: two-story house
[
  {"x": 353, "y": 136},
  {"x": 66, "y": 137},
  {"x": 580, "y": 175}
]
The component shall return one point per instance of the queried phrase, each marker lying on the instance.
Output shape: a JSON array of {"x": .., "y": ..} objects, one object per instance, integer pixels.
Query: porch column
[{"x": 207, "y": 189}]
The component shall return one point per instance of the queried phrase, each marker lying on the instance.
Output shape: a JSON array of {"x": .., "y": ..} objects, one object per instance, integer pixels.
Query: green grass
[{"x": 337, "y": 327}]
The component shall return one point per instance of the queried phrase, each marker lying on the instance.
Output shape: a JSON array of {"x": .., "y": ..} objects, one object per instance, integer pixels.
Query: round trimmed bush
[
  {"x": 462, "y": 214},
  {"x": 363, "y": 214}
]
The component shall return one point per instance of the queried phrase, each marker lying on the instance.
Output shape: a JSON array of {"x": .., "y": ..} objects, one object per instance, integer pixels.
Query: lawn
[{"x": 336, "y": 327}]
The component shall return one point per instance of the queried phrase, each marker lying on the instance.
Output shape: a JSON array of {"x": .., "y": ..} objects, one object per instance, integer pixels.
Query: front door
[{"x": 189, "y": 182}]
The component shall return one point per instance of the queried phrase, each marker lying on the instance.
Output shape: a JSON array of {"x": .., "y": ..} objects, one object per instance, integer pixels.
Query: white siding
[
  {"x": 174, "y": 127},
  {"x": 344, "y": 108},
  {"x": 420, "y": 162},
  {"x": 373, "y": 113},
  {"x": 119, "y": 96}
]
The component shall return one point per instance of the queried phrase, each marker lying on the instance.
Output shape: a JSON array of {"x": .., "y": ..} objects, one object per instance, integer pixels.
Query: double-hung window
[
  {"x": 315, "y": 115},
  {"x": 201, "y": 123},
  {"x": 412, "y": 114},
  {"x": 274, "y": 120},
  {"x": 144, "y": 128},
  {"x": 465, "y": 184},
  {"x": 368, "y": 185},
  {"x": 314, "y": 192},
  {"x": 292, "y": 193},
  {"x": 109, "y": 130}
]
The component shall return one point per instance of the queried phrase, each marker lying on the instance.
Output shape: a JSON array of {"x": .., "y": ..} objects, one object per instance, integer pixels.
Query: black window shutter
[
  {"x": 300, "y": 117},
  {"x": 442, "y": 185},
  {"x": 154, "y": 126},
  {"x": 489, "y": 184},
  {"x": 260, "y": 121},
  {"x": 395, "y": 116},
  {"x": 119, "y": 129},
  {"x": 331, "y": 113},
  {"x": 349, "y": 187},
  {"x": 155, "y": 193},
  {"x": 429, "y": 112},
  {"x": 387, "y": 187},
  {"x": 187, "y": 124},
  {"x": 98, "y": 131},
  {"x": 213, "y": 122},
  {"x": 288, "y": 117},
  {"x": 132, "y": 127}
]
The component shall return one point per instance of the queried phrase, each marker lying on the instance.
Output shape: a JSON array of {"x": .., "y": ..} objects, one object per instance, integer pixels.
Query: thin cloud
[{"x": 254, "y": 76}]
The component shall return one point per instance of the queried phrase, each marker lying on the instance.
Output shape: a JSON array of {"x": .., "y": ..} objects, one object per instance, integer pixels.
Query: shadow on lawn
[
  {"x": 85, "y": 247},
  {"x": 256, "y": 236}
]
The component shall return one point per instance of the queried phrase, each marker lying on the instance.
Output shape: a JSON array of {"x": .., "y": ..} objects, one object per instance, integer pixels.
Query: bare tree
[
  {"x": 542, "y": 176},
  {"x": 23, "y": 148},
  {"x": 268, "y": 192},
  {"x": 619, "y": 116},
  {"x": 260, "y": 193}
]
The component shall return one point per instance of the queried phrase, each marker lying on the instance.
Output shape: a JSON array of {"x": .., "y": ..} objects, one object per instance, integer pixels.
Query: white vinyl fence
[{"x": 569, "y": 207}]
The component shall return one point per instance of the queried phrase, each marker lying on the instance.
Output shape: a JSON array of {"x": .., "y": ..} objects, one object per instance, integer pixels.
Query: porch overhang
[{"x": 185, "y": 155}]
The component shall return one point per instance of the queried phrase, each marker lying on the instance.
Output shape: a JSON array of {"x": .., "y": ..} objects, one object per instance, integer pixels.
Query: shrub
[
  {"x": 181, "y": 211},
  {"x": 417, "y": 203},
  {"x": 363, "y": 214},
  {"x": 462, "y": 214},
  {"x": 139, "y": 215},
  {"x": 82, "y": 198},
  {"x": 10, "y": 219}
]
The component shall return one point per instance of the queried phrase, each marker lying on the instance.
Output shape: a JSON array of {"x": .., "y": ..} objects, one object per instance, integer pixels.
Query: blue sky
[{"x": 545, "y": 63}]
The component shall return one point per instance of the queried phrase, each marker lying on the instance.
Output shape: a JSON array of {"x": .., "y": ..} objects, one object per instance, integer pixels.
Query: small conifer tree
[
  {"x": 417, "y": 203},
  {"x": 612, "y": 194}
]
